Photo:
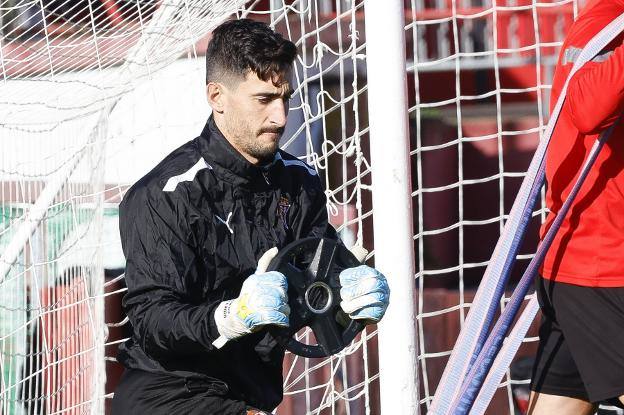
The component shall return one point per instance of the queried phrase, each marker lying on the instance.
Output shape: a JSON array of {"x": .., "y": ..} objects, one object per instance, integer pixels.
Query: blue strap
[
  {"x": 481, "y": 367},
  {"x": 474, "y": 332}
]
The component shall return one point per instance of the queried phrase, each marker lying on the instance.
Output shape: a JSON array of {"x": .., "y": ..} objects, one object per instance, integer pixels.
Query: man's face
[{"x": 254, "y": 115}]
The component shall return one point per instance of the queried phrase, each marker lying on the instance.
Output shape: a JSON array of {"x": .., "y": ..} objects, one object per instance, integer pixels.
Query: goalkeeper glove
[
  {"x": 365, "y": 293},
  {"x": 262, "y": 301}
]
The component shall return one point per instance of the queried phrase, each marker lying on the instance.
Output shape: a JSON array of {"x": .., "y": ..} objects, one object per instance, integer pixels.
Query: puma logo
[{"x": 226, "y": 222}]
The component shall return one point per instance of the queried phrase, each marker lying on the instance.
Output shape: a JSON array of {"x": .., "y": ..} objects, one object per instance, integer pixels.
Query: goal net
[{"x": 94, "y": 93}]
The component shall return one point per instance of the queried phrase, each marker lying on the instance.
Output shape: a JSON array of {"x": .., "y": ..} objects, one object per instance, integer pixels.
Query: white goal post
[{"x": 391, "y": 180}]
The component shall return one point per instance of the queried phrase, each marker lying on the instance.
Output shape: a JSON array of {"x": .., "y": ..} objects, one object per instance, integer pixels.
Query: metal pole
[{"x": 392, "y": 202}]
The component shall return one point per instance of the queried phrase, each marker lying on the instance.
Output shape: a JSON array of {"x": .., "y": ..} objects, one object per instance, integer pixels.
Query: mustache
[{"x": 274, "y": 130}]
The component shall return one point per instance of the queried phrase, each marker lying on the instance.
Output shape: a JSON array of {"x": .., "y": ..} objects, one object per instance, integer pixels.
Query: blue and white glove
[
  {"x": 365, "y": 293},
  {"x": 262, "y": 301}
]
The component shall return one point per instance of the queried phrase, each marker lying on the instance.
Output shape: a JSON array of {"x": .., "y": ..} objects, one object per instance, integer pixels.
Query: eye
[{"x": 264, "y": 100}]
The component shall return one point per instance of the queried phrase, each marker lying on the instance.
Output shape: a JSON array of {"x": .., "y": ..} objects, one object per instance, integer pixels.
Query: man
[
  {"x": 580, "y": 360},
  {"x": 194, "y": 231}
]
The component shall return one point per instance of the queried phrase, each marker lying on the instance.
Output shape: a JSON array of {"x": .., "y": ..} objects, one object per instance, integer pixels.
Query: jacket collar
[{"x": 217, "y": 149}]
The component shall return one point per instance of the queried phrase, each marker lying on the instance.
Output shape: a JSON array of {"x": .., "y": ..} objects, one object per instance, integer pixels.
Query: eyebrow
[{"x": 274, "y": 95}]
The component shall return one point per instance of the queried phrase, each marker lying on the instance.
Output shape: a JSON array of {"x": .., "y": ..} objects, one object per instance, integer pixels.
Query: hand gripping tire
[{"x": 312, "y": 267}]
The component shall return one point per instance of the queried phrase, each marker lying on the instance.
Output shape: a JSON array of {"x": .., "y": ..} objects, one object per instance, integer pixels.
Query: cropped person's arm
[{"x": 595, "y": 97}]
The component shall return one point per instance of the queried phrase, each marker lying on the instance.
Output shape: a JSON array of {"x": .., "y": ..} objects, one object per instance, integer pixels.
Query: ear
[{"x": 215, "y": 94}]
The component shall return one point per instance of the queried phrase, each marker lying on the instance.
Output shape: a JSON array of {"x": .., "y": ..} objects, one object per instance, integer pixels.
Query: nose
[{"x": 278, "y": 113}]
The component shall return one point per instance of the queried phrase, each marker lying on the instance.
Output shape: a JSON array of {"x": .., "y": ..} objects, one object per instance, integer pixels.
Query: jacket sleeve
[
  {"x": 162, "y": 266},
  {"x": 595, "y": 97}
]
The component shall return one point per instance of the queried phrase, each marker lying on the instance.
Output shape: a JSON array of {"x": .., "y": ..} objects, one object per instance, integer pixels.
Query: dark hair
[{"x": 239, "y": 46}]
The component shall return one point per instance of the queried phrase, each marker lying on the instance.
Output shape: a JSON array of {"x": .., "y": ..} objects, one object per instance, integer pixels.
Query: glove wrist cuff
[{"x": 228, "y": 324}]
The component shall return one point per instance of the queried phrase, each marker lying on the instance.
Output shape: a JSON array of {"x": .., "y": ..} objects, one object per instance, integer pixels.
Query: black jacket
[{"x": 192, "y": 231}]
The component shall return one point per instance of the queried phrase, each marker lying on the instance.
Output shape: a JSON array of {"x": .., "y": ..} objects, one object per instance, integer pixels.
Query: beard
[
  {"x": 254, "y": 143},
  {"x": 264, "y": 153},
  {"x": 264, "y": 149}
]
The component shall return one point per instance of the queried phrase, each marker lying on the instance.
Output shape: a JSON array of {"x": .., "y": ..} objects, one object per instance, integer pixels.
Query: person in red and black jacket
[
  {"x": 580, "y": 359},
  {"x": 198, "y": 232}
]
